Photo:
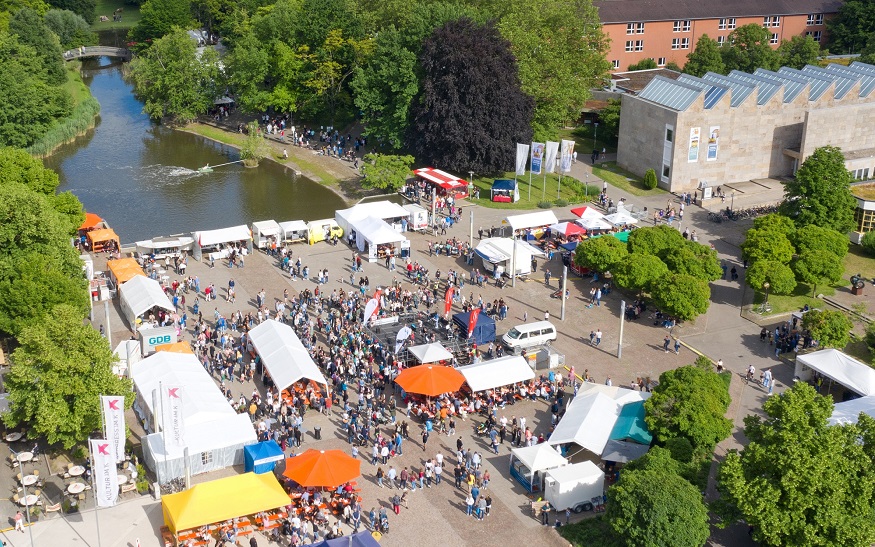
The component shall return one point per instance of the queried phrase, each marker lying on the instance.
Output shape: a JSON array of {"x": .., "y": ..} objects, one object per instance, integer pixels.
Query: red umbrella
[{"x": 568, "y": 229}]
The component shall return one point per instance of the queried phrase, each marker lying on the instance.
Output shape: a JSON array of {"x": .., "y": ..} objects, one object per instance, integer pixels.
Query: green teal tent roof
[
  {"x": 631, "y": 425},
  {"x": 622, "y": 236}
]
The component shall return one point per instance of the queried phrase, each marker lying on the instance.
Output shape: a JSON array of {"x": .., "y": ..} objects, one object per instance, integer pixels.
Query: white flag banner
[
  {"x": 522, "y": 153},
  {"x": 174, "y": 428},
  {"x": 104, "y": 472},
  {"x": 550, "y": 156},
  {"x": 114, "y": 424},
  {"x": 537, "y": 157},
  {"x": 567, "y": 153}
]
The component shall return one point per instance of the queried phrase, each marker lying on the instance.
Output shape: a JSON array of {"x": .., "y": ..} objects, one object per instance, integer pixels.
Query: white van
[{"x": 529, "y": 335}]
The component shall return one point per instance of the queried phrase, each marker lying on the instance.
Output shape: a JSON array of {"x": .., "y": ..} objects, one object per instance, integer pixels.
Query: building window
[
  {"x": 681, "y": 26},
  {"x": 720, "y": 40},
  {"x": 772, "y": 22},
  {"x": 630, "y": 45},
  {"x": 639, "y": 45},
  {"x": 615, "y": 64},
  {"x": 814, "y": 19},
  {"x": 206, "y": 458},
  {"x": 865, "y": 220},
  {"x": 815, "y": 35},
  {"x": 639, "y": 28},
  {"x": 861, "y": 174},
  {"x": 634, "y": 45},
  {"x": 669, "y": 134},
  {"x": 661, "y": 61},
  {"x": 726, "y": 24},
  {"x": 666, "y": 171},
  {"x": 685, "y": 43},
  {"x": 774, "y": 38},
  {"x": 675, "y": 43}
]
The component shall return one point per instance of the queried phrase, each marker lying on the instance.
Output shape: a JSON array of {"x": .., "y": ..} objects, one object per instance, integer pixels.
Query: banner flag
[
  {"x": 174, "y": 428},
  {"x": 104, "y": 473},
  {"x": 713, "y": 143},
  {"x": 567, "y": 154},
  {"x": 372, "y": 307},
  {"x": 472, "y": 321},
  {"x": 537, "y": 157},
  {"x": 522, "y": 152},
  {"x": 448, "y": 299},
  {"x": 550, "y": 157},
  {"x": 693, "y": 155},
  {"x": 114, "y": 424},
  {"x": 402, "y": 337}
]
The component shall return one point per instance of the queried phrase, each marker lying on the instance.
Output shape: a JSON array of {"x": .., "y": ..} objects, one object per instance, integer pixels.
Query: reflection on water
[{"x": 143, "y": 179}]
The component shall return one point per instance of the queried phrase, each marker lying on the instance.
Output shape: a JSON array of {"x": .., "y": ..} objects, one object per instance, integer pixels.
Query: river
[{"x": 142, "y": 177}]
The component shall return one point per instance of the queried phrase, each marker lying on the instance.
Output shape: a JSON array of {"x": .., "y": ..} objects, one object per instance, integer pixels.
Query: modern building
[
  {"x": 668, "y": 31},
  {"x": 864, "y": 214},
  {"x": 718, "y": 129}
]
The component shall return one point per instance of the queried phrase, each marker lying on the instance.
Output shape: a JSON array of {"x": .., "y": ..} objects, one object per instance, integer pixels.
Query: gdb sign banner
[{"x": 149, "y": 338}]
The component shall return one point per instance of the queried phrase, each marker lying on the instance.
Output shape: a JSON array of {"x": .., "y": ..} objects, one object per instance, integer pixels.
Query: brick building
[
  {"x": 668, "y": 31},
  {"x": 722, "y": 129}
]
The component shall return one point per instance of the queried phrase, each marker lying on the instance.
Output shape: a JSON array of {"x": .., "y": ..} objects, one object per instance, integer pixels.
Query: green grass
[
  {"x": 783, "y": 303},
  {"x": 858, "y": 348},
  {"x": 858, "y": 262},
  {"x": 572, "y": 191},
  {"x": 624, "y": 180},
  {"x": 582, "y": 136},
  {"x": 74, "y": 85},
  {"x": 130, "y": 15}
]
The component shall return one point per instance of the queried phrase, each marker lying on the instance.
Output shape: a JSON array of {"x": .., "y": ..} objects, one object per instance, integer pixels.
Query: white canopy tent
[
  {"x": 528, "y": 464},
  {"x": 497, "y": 372},
  {"x": 839, "y": 367},
  {"x": 293, "y": 230},
  {"x": 222, "y": 236},
  {"x": 430, "y": 353},
  {"x": 263, "y": 230},
  {"x": 372, "y": 232},
  {"x": 532, "y": 220},
  {"x": 848, "y": 412},
  {"x": 210, "y": 425},
  {"x": 283, "y": 354},
  {"x": 139, "y": 295},
  {"x": 163, "y": 246},
  {"x": 594, "y": 223},
  {"x": 382, "y": 210},
  {"x": 620, "y": 218},
  {"x": 499, "y": 251}
]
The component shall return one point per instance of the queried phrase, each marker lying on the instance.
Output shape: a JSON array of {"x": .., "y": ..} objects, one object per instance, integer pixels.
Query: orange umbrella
[
  {"x": 175, "y": 347},
  {"x": 322, "y": 468},
  {"x": 91, "y": 220},
  {"x": 430, "y": 380}
]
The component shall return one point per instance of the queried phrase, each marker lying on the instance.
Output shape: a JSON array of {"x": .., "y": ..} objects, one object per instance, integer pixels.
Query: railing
[{"x": 98, "y": 51}]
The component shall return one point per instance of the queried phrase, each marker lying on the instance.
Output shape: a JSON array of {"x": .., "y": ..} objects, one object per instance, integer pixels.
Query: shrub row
[{"x": 80, "y": 121}]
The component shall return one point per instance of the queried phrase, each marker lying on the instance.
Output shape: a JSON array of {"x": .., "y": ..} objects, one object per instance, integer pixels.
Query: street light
[
  {"x": 586, "y": 188},
  {"x": 471, "y": 184},
  {"x": 766, "y": 287},
  {"x": 732, "y": 202}
]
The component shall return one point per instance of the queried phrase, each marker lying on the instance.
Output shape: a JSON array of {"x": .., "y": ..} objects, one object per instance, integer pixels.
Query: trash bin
[{"x": 317, "y": 433}]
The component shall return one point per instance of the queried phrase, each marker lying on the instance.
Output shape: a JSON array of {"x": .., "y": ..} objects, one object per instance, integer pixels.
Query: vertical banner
[
  {"x": 372, "y": 307},
  {"x": 174, "y": 428},
  {"x": 550, "y": 156},
  {"x": 566, "y": 156},
  {"x": 522, "y": 153},
  {"x": 114, "y": 424},
  {"x": 472, "y": 321},
  {"x": 402, "y": 337},
  {"x": 713, "y": 142},
  {"x": 537, "y": 157},
  {"x": 448, "y": 299},
  {"x": 693, "y": 156},
  {"x": 104, "y": 473}
]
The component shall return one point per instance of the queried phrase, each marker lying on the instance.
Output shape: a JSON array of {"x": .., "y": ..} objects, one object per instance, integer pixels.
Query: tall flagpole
[
  {"x": 94, "y": 489},
  {"x": 530, "y": 185}
]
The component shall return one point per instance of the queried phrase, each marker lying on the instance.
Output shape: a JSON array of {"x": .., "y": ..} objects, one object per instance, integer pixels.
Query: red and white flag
[
  {"x": 174, "y": 426},
  {"x": 448, "y": 299},
  {"x": 472, "y": 320},
  {"x": 105, "y": 475},
  {"x": 373, "y": 306},
  {"x": 114, "y": 423}
]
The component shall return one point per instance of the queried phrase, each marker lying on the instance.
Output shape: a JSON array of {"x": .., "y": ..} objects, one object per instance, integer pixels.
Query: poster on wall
[
  {"x": 693, "y": 156},
  {"x": 713, "y": 142}
]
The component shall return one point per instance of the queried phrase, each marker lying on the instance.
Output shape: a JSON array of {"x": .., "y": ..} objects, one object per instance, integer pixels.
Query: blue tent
[
  {"x": 362, "y": 539},
  {"x": 483, "y": 333},
  {"x": 505, "y": 190},
  {"x": 262, "y": 457}
]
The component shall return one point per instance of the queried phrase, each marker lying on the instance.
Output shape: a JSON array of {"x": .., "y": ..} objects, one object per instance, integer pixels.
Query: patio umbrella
[
  {"x": 91, "y": 221},
  {"x": 586, "y": 212},
  {"x": 568, "y": 229},
  {"x": 430, "y": 380},
  {"x": 175, "y": 347},
  {"x": 322, "y": 468}
]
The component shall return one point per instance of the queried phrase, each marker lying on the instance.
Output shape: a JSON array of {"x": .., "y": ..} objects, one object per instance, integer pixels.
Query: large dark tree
[{"x": 470, "y": 112}]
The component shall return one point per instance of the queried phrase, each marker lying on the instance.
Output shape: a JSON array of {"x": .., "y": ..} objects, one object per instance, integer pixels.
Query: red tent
[{"x": 450, "y": 184}]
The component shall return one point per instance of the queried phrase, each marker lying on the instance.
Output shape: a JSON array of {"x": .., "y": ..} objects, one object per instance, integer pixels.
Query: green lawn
[
  {"x": 624, "y": 180},
  {"x": 74, "y": 85},
  {"x": 783, "y": 303},
  {"x": 130, "y": 15},
  {"x": 858, "y": 262},
  {"x": 583, "y": 137},
  {"x": 571, "y": 190}
]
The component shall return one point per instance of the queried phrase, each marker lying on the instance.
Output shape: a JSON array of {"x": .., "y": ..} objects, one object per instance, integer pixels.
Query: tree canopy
[
  {"x": 747, "y": 49},
  {"x": 71, "y": 29},
  {"x": 851, "y": 29},
  {"x": 159, "y": 17},
  {"x": 778, "y": 275},
  {"x": 831, "y": 329},
  {"x": 820, "y": 193},
  {"x": 706, "y": 57},
  {"x": 817, "y": 238},
  {"x": 767, "y": 244},
  {"x": 682, "y": 296},
  {"x": 600, "y": 254},
  {"x": 83, "y": 8},
  {"x": 470, "y": 111},
  {"x": 386, "y": 172},
  {"x": 639, "y": 271},
  {"x": 801, "y": 481},
  {"x": 31, "y": 30},
  {"x": 799, "y": 51}
]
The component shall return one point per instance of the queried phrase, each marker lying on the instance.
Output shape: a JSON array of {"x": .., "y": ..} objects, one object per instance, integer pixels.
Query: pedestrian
[
  {"x": 380, "y": 477},
  {"x": 677, "y": 346},
  {"x": 733, "y": 273},
  {"x": 19, "y": 522},
  {"x": 396, "y": 504},
  {"x": 469, "y": 505},
  {"x": 666, "y": 342},
  {"x": 598, "y": 337},
  {"x": 424, "y": 438}
]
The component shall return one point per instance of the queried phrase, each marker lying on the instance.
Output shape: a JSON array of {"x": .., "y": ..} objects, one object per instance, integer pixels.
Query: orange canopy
[
  {"x": 431, "y": 380},
  {"x": 322, "y": 468},
  {"x": 175, "y": 347},
  {"x": 97, "y": 237},
  {"x": 124, "y": 269},
  {"x": 91, "y": 220}
]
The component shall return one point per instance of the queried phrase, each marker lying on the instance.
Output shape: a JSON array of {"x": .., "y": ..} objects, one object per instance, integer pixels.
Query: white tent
[
  {"x": 497, "y": 372},
  {"x": 532, "y": 220},
  {"x": 163, "y": 246},
  {"x": 848, "y": 412},
  {"x": 371, "y": 232},
  {"x": 212, "y": 431},
  {"x": 127, "y": 354},
  {"x": 499, "y": 251},
  {"x": 594, "y": 223},
  {"x": 620, "y": 218},
  {"x": 592, "y": 414},
  {"x": 263, "y": 230},
  {"x": 293, "y": 229},
  {"x": 527, "y": 464},
  {"x": 211, "y": 239},
  {"x": 837, "y": 366},
  {"x": 430, "y": 353},
  {"x": 139, "y": 295},
  {"x": 382, "y": 210},
  {"x": 283, "y": 354}
]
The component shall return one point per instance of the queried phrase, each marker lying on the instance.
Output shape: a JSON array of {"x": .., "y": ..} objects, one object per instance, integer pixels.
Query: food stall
[
  {"x": 140, "y": 297},
  {"x": 162, "y": 247},
  {"x": 497, "y": 252},
  {"x": 574, "y": 486},
  {"x": 392, "y": 213},
  {"x": 529, "y": 464},
  {"x": 323, "y": 230},
  {"x": 264, "y": 232},
  {"x": 505, "y": 190},
  {"x": 216, "y": 244},
  {"x": 418, "y": 217},
  {"x": 100, "y": 240},
  {"x": 293, "y": 230},
  {"x": 377, "y": 239},
  {"x": 447, "y": 185}
]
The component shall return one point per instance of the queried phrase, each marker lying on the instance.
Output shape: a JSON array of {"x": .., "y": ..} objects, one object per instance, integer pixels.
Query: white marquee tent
[
  {"x": 430, "y": 353},
  {"x": 283, "y": 354},
  {"x": 536, "y": 458},
  {"x": 837, "y": 366},
  {"x": 499, "y": 251},
  {"x": 497, "y": 372},
  {"x": 139, "y": 295},
  {"x": 532, "y": 220},
  {"x": 594, "y": 223},
  {"x": 382, "y": 210},
  {"x": 213, "y": 238},
  {"x": 848, "y": 412},
  {"x": 371, "y": 232},
  {"x": 620, "y": 218},
  {"x": 213, "y": 432}
]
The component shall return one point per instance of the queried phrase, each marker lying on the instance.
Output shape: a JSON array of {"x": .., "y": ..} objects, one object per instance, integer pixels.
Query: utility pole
[
  {"x": 471, "y": 233},
  {"x": 622, "y": 320},
  {"x": 562, "y": 287}
]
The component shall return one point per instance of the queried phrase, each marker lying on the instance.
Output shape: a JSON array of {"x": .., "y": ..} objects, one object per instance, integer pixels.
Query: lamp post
[
  {"x": 766, "y": 287},
  {"x": 471, "y": 184},
  {"x": 586, "y": 187},
  {"x": 732, "y": 202}
]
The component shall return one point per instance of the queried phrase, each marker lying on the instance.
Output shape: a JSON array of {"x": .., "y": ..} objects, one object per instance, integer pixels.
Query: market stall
[
  {"x": 621, "y": 218},
  {"x": 141, "y": 297},
  {"x": 505, "y": 190},
  {"x": 446, "y": 184},
  {"x": 293, "y": 230},
  {"x": 262, "y": 457},
  {"x": 91, "y": 222},
  {"x": 391, "y": 213},
  {"x": 284, "y": 356},
  {"x": 377, "y": 239},
  {"x": 494, "y": 373},
  {"x": 101, "y": 240},
  {"x": 528, "y": 464},
  {"x": 430, "y": 353},
  {"x": 123, "y": 270},
  {"x": 418, "y": 217},
  {"x": 216, "y": 244},
  {"x": 594, "y": 224},
  {"x": 265, "y": 232},
  {"x": 323, "y": 230},
  {"x": 498, "y": 252},
  {"x": 161, "y": 247}
]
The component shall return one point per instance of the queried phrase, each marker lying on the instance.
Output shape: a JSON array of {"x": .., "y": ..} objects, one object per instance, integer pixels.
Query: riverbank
[
  {"x": 83, "y": 118},
  {"x": 337, "y": 175}
]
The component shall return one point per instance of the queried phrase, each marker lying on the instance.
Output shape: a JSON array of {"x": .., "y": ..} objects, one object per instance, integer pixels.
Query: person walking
[
  {"x": 666, "y": 342},
  {"x": 19, "y": 522},
  {"x": 598, "y": 337},
  {"x": 469, "y": 505}
]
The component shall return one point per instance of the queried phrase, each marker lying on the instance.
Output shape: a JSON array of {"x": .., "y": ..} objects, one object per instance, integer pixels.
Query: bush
[
  {"x": 561, "y": 203},
  {"x": 681, "y": 449},
  {"x": 650, "y": 179},
  {"x": 545, "y": 205},
  {"x": 69, "y": 506},
  {"x": 868, "y": 243},
  {"x": 67, "y": 129},
  {"x": 142, "y": 480}
]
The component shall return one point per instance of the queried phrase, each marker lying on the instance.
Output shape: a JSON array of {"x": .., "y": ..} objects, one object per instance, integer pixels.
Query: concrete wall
[
  {"x": 642, "y": 136},
  {"x": 848, "y": 127}
]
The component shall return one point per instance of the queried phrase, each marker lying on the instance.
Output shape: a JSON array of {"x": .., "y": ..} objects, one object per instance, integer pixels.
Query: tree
[
  {"x": 821, "y": 192},
  {"x": 682, "y": 296},
  {"x": 816, "y": 238},
  {"x": 638, "y": 271},
  {"x": 705, "y": 58},
  {"x": 776, "y": 222},
  {"x": 868, "y": 243},
  {"x": 797, "y": 464},
  {"x": 671, "y": 65},
  {"x": 610, "y": 118},
  {"x": 767, "y": 245},
  {"x": 173, "y": 81},
  {"x": 249, "y": 64},
  {"x": 254, "y": 148},
  {"x": 32, "y": 31},
  {"x": 655, "y": 240},
  {"x": 600, "y": 254},
  {"x": 747, "y": 49},
  {"x": 560, "y": 51},
  {"x": 689, "y": 402},
  {"x": 470, "y": 110},
  {"x": 655, "y": 506},
  {"x": 159, "y": 17},
  {"x": 778, "y": 275},
  {"x": 71, "y": 29},
  {"x": 331, "y": 66},
  {"x": 799, "y": 51},
  {"x": 83, "y": 8},
  {"x": 830, "y": 328},
  {"x": 385, "y": 172},
  {"x": 650, "y": 181},
  {"x": 643, "y": 64},
  {"x": 695, "y": 259},
  {"x": 59, "y": 370},
  {"x": 850, "y": 30}
]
